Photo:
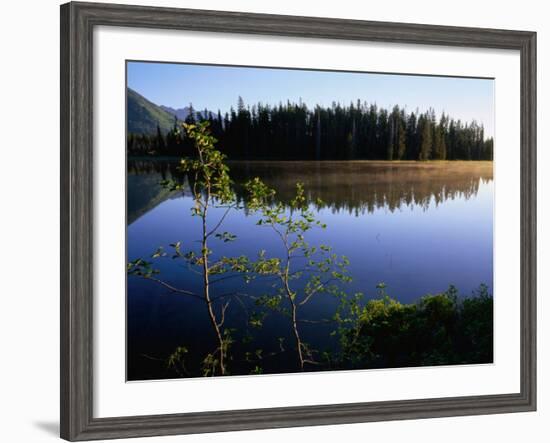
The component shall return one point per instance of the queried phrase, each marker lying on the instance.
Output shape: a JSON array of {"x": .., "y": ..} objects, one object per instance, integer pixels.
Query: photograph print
[{"x": 297, "y": 220}]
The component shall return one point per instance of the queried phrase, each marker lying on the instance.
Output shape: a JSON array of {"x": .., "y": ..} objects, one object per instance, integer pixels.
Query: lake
[{"x": 417, "y": 227}]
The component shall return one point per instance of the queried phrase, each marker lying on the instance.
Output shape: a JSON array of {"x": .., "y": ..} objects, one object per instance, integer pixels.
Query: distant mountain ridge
[
  {"x": 183, "y": 113},
  {"x": 144, "y": 116}
]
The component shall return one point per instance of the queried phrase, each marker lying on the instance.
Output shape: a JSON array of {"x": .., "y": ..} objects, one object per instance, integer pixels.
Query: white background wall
[{"x": 29, "y": 234}]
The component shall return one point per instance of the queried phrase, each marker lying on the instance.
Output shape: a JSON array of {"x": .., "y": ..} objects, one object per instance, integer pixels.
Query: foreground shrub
[{"x": 439, "y": 329}]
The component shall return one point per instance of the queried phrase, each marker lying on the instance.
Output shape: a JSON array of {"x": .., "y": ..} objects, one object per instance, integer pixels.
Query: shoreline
[{"x": 385, "y": 162}]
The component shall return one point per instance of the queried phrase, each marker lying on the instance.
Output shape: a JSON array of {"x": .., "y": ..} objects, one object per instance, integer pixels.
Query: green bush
[{"x": 439, "y": 329}]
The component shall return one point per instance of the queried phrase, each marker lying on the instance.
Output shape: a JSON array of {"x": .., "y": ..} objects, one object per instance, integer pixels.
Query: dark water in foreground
[{"x": 418, "y": 227}]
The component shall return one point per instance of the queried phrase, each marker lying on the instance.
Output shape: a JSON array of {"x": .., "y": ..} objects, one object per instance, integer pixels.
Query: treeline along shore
[{"x": 292, "y": 131}]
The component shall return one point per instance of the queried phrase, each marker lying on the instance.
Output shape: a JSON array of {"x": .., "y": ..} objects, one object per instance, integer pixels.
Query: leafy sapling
[
  {"x": 211, "y": 188},
  {"x": 304, "y": 271}
]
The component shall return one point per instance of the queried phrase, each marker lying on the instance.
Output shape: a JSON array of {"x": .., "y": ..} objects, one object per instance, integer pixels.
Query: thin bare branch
[
  {"x": 228, "y": 294},
  {"x": 222, "y": 317},
  {"x": 319, "y": 287},
  {"x": 174, "y": 289},
  {"x": 219, "y": 222}
]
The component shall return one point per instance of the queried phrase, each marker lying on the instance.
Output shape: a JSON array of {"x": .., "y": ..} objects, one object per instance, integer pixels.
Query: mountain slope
[{"x": 144, "y": 116}]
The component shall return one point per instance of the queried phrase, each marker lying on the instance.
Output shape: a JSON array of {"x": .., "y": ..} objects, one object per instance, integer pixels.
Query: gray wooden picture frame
[{"x": 77, "y": 24}]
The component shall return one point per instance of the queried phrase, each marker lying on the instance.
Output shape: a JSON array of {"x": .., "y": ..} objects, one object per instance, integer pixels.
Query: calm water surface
[{"x": 418, "y": 227}]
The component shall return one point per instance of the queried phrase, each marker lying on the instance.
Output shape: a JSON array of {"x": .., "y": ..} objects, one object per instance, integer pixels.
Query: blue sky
[{"x": 218, "y": 87}]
